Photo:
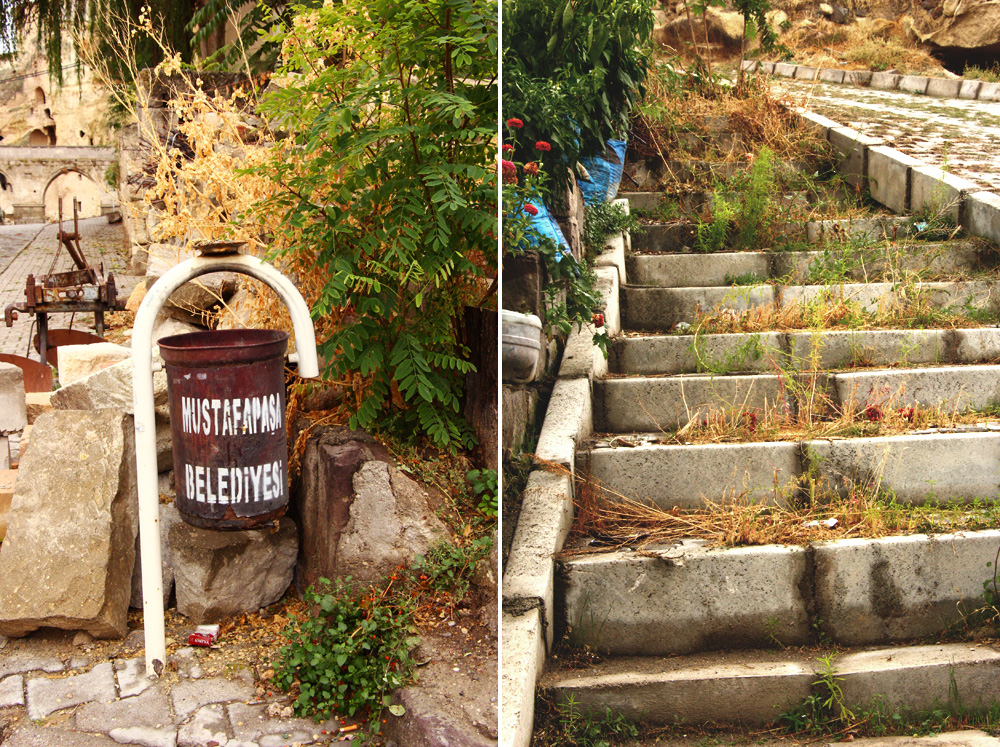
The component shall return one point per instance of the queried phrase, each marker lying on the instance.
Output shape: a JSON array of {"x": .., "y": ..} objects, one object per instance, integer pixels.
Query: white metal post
[{"x": 145, "y": 417}]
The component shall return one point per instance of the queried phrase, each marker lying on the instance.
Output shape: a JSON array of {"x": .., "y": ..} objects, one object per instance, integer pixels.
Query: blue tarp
[{"x": 605, "y": 173}]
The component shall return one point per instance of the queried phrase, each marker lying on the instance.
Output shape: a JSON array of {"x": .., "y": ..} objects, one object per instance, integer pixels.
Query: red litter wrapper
[{"x": 204, "y": 635}]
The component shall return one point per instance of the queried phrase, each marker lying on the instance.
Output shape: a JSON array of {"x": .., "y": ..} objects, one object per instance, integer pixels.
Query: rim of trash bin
[{"x": 223, "y": 346}]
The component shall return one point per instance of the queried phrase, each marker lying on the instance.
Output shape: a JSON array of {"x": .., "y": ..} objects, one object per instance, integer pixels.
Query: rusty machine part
[
  {"x": 227, "y": 416},
  {"x": 83, "y": 289}
]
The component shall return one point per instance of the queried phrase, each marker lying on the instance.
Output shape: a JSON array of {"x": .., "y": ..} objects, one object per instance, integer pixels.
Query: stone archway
[
  {"x": 6, "y": 198},
  {"x": 67, "y": 185}
]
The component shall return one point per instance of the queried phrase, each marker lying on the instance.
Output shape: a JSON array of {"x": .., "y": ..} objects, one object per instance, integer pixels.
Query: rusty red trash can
[{"x": 227, "y": 417}]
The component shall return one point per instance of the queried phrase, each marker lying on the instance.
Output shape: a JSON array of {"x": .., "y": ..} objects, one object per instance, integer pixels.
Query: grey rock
[
  {"x": 218, "y": 574},
  {"x": 146, "y": 736},
  {"x": 13, "y": 407},
  {"x": 132, "y": 679},
  {"x": 110, "y": 387},
  {"x": 390, "y": 523},
  {"x": 30, "y": 735},
  {"x": 207, "y": 725},
  {"x": 67, "y": 558},
  {"x": 191, "y": 695},
  {"x": 169, "y": 515},
  {"x": 12, "y": 691},
  {"x": 167, "y": 326},
  {"x": 46, "y": 696},
  {"x": 152, "y": 708}
]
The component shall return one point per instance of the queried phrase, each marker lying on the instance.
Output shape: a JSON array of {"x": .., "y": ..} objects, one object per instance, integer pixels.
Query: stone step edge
[
  {"x": 949, "y": 88},
  {"x": 668, "y": 355},
  {"x": 740, "y": 689}
]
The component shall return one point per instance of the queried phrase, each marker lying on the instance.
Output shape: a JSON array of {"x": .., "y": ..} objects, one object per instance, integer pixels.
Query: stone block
[
  {"x": 868, "y": 296},
  {"x": 900, "y": 588},
  {"x": 663, "y": 237},
  {"x": 969, "y": 89},
  {"x": 937, "y": 192},
  {"x": 651, "y": 405},
  {"x": 523, "y": 652},
  {"x": 844, "y": 349},
  {"x": 944, "y": 88},
  {"x": 831, "y": 76},
  {"x": 817, "y": 123},
  {"x": 803, "y": 72},
  {"x": 688, "y": 476},
  {"x": 581, "y": 357},
  {"x": 235, "y": 314},
  {"x": 607, "y": 285},
  {"x": 13, "y": 409},
  {"x": 659, "y": 309},
  {"x": 543, "y": 524},
  {"x": 151, "y": 708},
  {"x": 169, "y": 515},
  {"x": 989, "y": 92},
  {"x": 47, "y": 696},
  {"x": 613, "y": 255},
  {"x": 912, "y": 84},
  {"x": 674, "y": 354},
  {"x": 137, "y": 295},
  {"x": 851, "y": 151},
  {"x": 167, "y": 326},
  {"x": 8, "y": 477},
  {"x": 767, "y": 68},
  {"x": 219, "y": 574},
  {"x": 749, "y": 65},
  {"x": 190, "y": 695},
  {"x": 981, "y": 216},
  {"x": 785, "y": 69},
  {"x": 520, "y": 406},
  {"x": 568, "y": 420},
  {"x": 953, "y": 389},
  {"x": 696, "y": 270},
  {"x": 107, "y": 388},
  {"x": 889, "y": 177},
  {"x": 885, "y": 81},
  {"x": 620, "y": 602},
  {"x": 859, "y": 77},
  {"x": 67, "y": 559},
  {"x": 917, "y": 468},
  {"x": 196, "y": 300},
  {"x": 78, "y": 361},
  {"x": 36, "y": 404}
]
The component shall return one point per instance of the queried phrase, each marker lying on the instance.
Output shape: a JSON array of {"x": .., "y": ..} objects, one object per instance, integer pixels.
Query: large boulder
[
  {"x": 966, "y": 31},
  {"x": 360, "y": 516},
  {"x": 109, "y": 387},
  {"x": 725, "y": 28},
  {"x": 219, "y": 574},
  {"x": 67, "y": 558},
  {"x": 79, "y": 361},
  {"x": 195, "y": 301}
]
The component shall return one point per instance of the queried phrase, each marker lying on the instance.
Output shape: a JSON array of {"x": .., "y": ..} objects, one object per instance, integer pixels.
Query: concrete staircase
[{"x": 691, "y": 634}]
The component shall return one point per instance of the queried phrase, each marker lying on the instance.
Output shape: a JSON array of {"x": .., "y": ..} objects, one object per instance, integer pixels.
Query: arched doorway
[
  {"x": 6, "y": 198},
  {"x": 67, "y": 185},
  {"x": 38, "y": 137}
]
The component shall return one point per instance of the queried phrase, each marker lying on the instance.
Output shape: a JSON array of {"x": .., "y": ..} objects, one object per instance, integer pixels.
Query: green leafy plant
[
  {"x": 602, "y": 220},
  {"x": 483, "y": 483},
  {"x": 710, "y": 236},
  {"x": 386, "y": 190},
  {"x": 567, "y": 725},
  {"x": 350, "y": 653},
  {"x": 449, "y": 568}
]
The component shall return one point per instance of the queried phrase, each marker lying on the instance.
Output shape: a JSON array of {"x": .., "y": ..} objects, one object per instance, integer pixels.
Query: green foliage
[
  {"x": 710, "y": 236},
  {"x": 573, "y": 70},
  {"x": 569, "y": 726},
  {"x": 824, "y": 710},
  {"x": 743, "y": 209},
  {"x": 602, "y": 220},
  {"x": 112, "y": 174},
  {"x": 449, "y": 568},
  {"x": 989, "y": 74},
  {"x": 387, "y": 187},
  {"x": 483, "y": 483},
  {"x": 245, "y": 53},
  {"x": 349, "y": 655}
]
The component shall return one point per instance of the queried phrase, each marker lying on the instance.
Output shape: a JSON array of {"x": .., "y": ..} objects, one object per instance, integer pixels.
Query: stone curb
[
  {"x": 947, "y": 88},
  {"x": 547, "y": 509},
  {"x": 718, "y": 686},
  {"x": 856, "y": 591}
]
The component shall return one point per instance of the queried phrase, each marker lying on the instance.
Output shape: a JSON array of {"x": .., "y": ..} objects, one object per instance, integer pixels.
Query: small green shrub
[
  {"x": 566, "y": 725},
  {"x": 348, "y": 656},
  {"x": 483, "y": 483},
  {"x": 449, "y": 568},
  {"x": 602, "y": 220},
  {"x": 710, "y": 236}
]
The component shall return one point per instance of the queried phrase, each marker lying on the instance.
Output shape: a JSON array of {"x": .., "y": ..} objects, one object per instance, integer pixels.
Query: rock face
[
  {"x": 217, "y": 574},
  {"x": 78, "y": 361},
  {"x": 725, "y": 27},
  {"x": 109, "y": 387},
  {"x": 966, "y": 29},
  {"x": 67, "y": 559},
  {"x": 360, "y": 515}
]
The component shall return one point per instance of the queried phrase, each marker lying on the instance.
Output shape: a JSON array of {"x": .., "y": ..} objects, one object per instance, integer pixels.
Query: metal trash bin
[{"x": 227, "y": 418}]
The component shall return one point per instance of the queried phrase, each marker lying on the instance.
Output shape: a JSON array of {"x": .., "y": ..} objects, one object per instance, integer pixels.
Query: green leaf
[{"x": 397, "y": 710}]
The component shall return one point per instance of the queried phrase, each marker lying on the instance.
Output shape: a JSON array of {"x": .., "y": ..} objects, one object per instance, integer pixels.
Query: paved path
[
  {"x": 29, "y": 249},
  {"x": 47, "y": 701},
  {"x": 962, "y": 137}
]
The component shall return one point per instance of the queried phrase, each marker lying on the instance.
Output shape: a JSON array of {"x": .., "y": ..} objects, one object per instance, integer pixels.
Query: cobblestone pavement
[
  {"x": 53, "y": 700},
  {"x": 29, "y": 250},
  {"x": 960, "y": 136}
]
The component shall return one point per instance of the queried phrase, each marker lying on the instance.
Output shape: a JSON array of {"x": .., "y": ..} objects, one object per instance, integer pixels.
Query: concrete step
[
  {"x": 884, "y": 262},
  {"x": 623, "y": 405},
  {"x": 962, "y": 466},
  {"x": 675, "y": 236},
  {"x": 803, "y": 350},
  {"x": 753, "y": 688},
  {"x": 660, "y": 309}
]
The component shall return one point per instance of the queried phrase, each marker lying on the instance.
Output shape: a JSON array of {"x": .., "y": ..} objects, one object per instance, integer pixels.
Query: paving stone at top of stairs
[
  {"x": 46, "y": 695},
  {"x": 208, "y": 724},
  {"x": 686, "y": 476},
  {"x": 151, "y": 708},
  {"x": 188, "y": 696},
  {"x": 23, "y": 663},
  {"x": 620, "y": 602},
  {"x": 251, "y": 723},
  {"x": 900, "y": 588},
  {"x": 725, "y": 688},
  {"x": 12, "y": 691},
  {"x": 32, "y": 735},
  {"x": 66, "y": 561},
  {"x": 146, "y": 736}
]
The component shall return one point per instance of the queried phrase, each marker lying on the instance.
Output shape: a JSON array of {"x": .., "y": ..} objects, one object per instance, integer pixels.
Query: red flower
[
  {"x": 509, "y": 172},
  {"x": 531, "y": 168},
  {"x": 507, "y": 148},
  {"x": 516, "y": 123},
  {"x": 598, "y": 320},
  {"x": 542, "y": 145},
  {"x": 530, "y": 209}
]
